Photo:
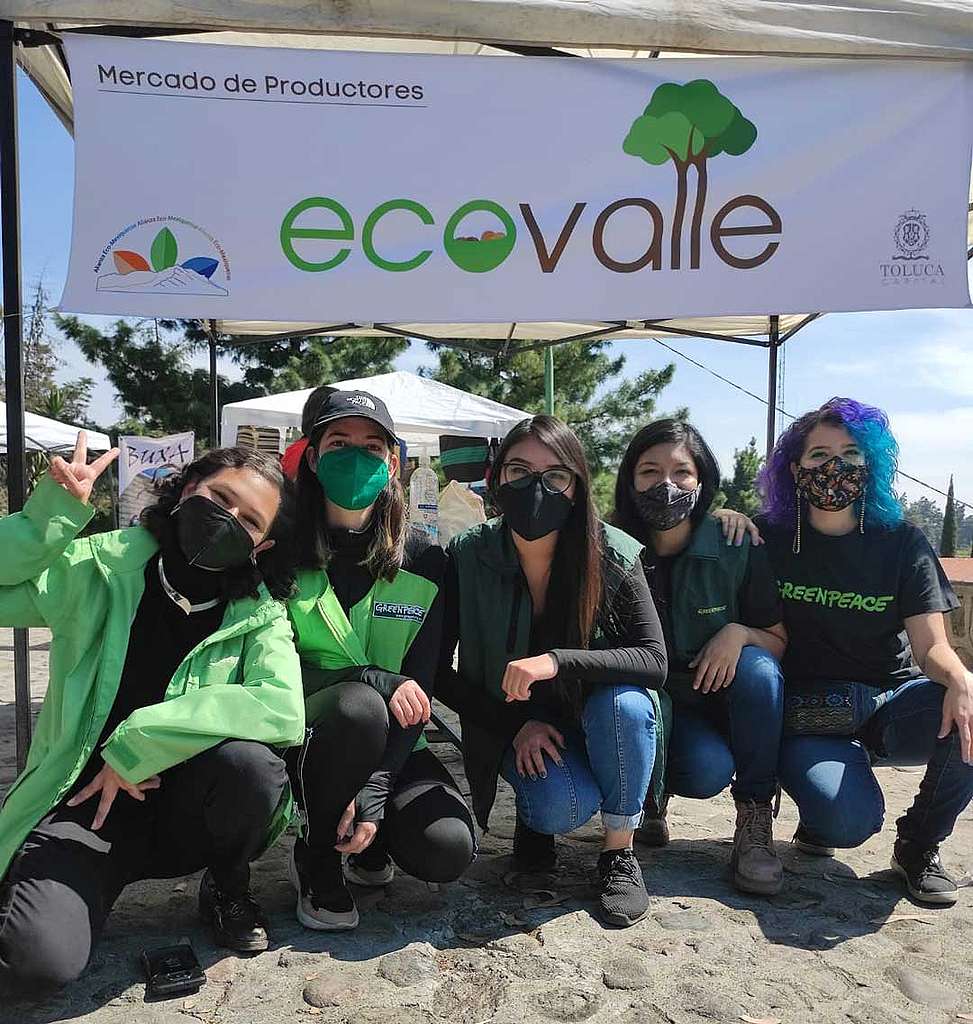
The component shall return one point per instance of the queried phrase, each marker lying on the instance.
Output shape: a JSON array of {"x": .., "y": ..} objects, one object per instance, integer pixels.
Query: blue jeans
[
  {"x": 830, "y": 778},
  {"x": 731, "y": 737},
  {"x": 607, "y": 766}
]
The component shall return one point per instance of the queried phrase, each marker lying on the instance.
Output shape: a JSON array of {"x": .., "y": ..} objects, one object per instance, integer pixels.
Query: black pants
[
  {"x": 427, "y": 828},
  {"x": 211, "y": 811}
]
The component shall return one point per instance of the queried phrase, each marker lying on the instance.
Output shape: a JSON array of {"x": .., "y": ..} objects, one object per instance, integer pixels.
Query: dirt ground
[{"x": 839, "y": 944}]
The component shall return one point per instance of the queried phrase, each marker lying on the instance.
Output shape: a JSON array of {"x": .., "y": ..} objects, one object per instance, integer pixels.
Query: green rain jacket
[{"x": 241, "y": 682}]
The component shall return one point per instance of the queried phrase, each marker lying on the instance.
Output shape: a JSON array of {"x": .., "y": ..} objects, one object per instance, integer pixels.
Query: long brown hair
[
  {"x": 313, "y": 536},
  {"x": 580, "y": 546}
]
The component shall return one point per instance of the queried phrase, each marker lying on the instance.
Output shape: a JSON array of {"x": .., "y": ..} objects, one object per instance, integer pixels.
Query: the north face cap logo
[{"x": 363, "y": 400}]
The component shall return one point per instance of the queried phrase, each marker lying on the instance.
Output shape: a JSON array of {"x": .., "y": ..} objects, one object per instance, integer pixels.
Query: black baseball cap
[{"x": 341, "y": 405}]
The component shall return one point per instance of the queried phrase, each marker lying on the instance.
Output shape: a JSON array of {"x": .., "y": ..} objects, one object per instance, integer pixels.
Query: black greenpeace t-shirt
[{"x": 845, "y": 599}]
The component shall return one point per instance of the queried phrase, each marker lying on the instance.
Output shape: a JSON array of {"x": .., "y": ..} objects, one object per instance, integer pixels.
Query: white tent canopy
[
  {"x": 44, "y": 434},
  {"x": 422, "y": 409}
]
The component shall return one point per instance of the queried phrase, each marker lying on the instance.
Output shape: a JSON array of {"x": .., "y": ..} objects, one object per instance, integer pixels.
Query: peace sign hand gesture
[{"x": 76, "y": 476}]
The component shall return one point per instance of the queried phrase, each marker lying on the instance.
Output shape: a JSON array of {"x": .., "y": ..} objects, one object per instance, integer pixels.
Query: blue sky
[{"x": 917, "y": 365}]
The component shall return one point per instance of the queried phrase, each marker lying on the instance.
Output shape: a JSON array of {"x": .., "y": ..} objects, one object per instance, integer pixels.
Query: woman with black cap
[{"x": 367, "y": 620}]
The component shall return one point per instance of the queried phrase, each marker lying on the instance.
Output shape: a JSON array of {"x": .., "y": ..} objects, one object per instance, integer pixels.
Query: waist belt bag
[{"x": 827, "y": 708}]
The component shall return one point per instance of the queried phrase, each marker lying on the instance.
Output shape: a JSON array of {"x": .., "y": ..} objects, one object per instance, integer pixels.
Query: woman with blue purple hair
[{"x": 870, "y": 677}]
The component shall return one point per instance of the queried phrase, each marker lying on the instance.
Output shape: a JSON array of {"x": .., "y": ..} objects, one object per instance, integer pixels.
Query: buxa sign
[{"x": 316, "y": 235}]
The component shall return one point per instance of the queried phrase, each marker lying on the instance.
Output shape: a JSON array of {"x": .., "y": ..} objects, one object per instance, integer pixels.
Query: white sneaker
[
  {"x": 358, "y": 875},
  {"x": 334, "y": 911}
]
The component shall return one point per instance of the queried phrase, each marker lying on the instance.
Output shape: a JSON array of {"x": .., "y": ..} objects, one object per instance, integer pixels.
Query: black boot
[
  {"x": 654, "y": 830},
  {"x": 923, "y": 872},
  {"x": 237, "y": 920},
  {"x": 534, "y": 852}
]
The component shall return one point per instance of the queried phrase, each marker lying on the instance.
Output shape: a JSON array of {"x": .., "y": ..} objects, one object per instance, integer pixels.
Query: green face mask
[{"x": 352, "y": 477}]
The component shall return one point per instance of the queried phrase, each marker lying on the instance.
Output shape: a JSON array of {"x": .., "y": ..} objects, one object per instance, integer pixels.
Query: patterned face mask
[{"x": 832, "y": 486}]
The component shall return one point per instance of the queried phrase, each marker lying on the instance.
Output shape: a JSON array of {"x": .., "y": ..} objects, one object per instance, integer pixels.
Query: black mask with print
[
  {"x": 665, "y": 505},
  {"x": 832, "y": 486}
]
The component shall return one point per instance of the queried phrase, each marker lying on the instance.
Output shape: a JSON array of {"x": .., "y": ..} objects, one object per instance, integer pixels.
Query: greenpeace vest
[{"x": 378, "y": 630}]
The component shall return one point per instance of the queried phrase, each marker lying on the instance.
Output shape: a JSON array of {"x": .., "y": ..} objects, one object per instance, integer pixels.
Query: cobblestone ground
[{"x": 839, "y": 944}]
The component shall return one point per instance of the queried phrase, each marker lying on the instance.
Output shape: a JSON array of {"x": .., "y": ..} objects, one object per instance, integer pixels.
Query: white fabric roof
[
  {"x": 422, "y": 409},
  {"x": 915, "y": 29},
  {"x": 44, "y": 434}
]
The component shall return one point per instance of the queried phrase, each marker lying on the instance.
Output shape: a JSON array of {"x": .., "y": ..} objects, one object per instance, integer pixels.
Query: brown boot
[{"x": 756, "y": 866}]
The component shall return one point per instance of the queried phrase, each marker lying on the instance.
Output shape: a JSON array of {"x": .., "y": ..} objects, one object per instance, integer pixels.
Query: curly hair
[
  {"x": 275, "y": 566},
  {"x": 869, "y": 428}
]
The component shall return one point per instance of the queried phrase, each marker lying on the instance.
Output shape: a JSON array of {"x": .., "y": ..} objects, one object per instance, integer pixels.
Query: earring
[
  {"x": 861, "y": 521},
  {"x": 796, "y": 546}
]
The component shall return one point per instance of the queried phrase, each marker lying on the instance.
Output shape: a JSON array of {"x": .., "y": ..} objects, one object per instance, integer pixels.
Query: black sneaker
[
  {"x": 237, "y": 920},
  {"x": 323, "y": 900},
  {"x": 372, "y": 867},
  {"x": 622, "y": 900},
  {"x": 806, "y": 843},
  {"x": 534, "y": 852},
  {"x": 925, "y": 877},
  {"x": 654, "y": 830}
]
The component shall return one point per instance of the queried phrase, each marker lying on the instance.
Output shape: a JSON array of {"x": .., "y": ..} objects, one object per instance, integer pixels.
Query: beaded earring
[
  {"x": 861, "y": 520},
  {"x": 796, "y": 546}
]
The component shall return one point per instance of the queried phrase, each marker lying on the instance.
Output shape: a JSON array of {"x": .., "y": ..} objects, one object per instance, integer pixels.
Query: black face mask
[
  {"x": 210, "y": 537},
  {"x": 531, "y": 510},
  {"x": 665, "y": 505}
]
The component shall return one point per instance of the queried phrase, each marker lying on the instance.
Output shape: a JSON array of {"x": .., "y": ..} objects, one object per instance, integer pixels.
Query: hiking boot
[
  {"x": 925, "y": 877},
  {"x": 654, "y": 830},
  {"x": 237, "y": 920},
  {"x": 755, "y": 864},
  {"x": 323, "y": 900},
  {"x": 622, "y": 899},
  {"x": 804, "y": 842},
  {"x": 372, "y": 867},
  {"x": 534, "y": 852}
]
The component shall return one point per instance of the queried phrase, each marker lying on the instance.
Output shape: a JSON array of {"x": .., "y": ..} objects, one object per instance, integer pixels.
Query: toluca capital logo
[
  {"x": 165, "y": 270},
  {"x": 911, "y": 236},
  {"x": 912, "y": 264},
  {"x": 686, "y": 125},
  {"x": 403, "y": 612},
  {"x": 362, "y": 400}
]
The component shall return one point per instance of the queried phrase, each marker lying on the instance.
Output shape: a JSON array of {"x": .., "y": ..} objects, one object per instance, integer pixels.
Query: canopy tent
[
  {"x": 911, "y": 29},
  {"x": 47, "y": 435},
  {"x": 421, "y": 408}
]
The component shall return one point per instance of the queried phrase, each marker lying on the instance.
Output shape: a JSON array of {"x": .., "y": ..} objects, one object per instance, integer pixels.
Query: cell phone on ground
[{"x": 171, "y": 971}]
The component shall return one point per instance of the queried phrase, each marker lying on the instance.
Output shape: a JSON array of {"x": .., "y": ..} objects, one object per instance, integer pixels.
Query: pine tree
[{"x": 947, "y": 543}]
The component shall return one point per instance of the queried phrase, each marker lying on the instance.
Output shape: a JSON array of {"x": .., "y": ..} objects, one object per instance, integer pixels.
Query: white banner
[
  {"x": 143, "y": 464},
  {"x": 262, "y": 184}
]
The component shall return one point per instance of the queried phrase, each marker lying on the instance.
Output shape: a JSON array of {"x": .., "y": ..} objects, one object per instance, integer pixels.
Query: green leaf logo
[{"x": 165, "y": 251}]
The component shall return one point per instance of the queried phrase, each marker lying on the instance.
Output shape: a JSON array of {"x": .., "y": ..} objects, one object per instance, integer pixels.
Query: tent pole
[
  {"x": 13, "y": 349},
  {"x": 549, "y": 380},
  {"x": 214, "y": 394},
  {"x": 772, "y": 383}
]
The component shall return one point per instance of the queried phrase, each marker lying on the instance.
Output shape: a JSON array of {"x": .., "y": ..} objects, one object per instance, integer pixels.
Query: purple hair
[{"x": 869, "y": 428}]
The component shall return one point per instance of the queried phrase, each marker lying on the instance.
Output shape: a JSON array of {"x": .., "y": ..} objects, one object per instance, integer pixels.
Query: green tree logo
[{"x": 688, "y": 124}]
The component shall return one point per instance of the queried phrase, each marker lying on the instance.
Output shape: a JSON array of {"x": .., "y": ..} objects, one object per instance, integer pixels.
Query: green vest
[
  {"x": 379, "y": 630},
  {"x": 706, "y": 581}
]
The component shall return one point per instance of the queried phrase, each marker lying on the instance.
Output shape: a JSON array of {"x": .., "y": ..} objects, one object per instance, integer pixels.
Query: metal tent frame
[{"x": 10, "y": 37}]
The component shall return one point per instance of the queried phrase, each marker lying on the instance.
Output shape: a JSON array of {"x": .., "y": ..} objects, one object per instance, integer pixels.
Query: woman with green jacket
[
  {"x": 367, "y": 623},
  {"x": 173, "y": 673}
]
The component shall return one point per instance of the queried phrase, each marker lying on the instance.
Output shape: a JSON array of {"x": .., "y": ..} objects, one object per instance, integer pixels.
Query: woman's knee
[
  {"x": 758, "y": 679},
  {"x": 41, "y": 951},
  {"x": 359, "y": 707},
  {"x": 621, "y": 708},
  {"x": 447, "y": 849}
]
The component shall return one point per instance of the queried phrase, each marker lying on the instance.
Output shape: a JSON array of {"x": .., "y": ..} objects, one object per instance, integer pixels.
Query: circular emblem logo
[{"x": 911, "y": 235}]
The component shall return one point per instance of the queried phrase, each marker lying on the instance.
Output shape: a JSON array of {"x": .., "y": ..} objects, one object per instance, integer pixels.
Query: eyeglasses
[{"x": 555, "y": 480}]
